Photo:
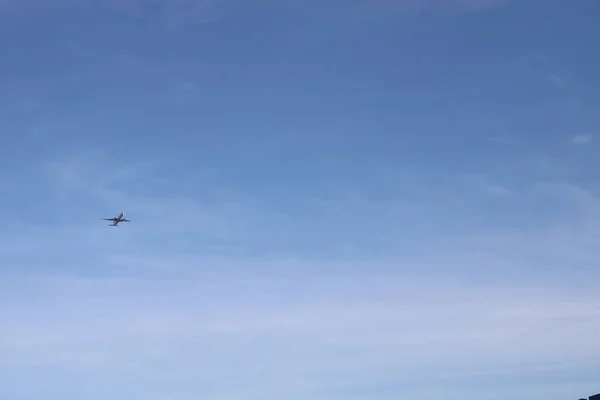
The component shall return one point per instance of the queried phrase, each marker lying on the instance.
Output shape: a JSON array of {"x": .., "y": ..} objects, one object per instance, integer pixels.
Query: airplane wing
[
  {"x": 108, "y": 219},
  {"x": 125, "y": 220}
]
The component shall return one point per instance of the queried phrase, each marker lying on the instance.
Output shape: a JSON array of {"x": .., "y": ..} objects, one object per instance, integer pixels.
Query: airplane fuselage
[{"x": 119, "y": 218}]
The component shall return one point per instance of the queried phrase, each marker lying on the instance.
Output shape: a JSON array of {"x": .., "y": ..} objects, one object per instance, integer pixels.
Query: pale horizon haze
[{"x": 329, "y": 200}]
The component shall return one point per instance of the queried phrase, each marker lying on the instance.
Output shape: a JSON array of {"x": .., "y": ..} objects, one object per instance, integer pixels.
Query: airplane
[{"x": 115, "y": 221}]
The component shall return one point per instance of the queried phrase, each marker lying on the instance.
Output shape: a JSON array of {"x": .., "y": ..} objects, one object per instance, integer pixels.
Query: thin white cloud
[
  {"x": 117, "y": 185},
  {"x": 506, "y": 140},
  {"x": 178, "y": 13},
  {"x": 557, "y": 80},
  {"x": 248, "y": 328},
  {"x": 485, "y": 184},
  {"x": 498, "y": 190},
  {"x": 444, "y": 7},
  {"x": 583, "y": 138},
  {"x": 172, "y": 13},
  {"x": 490, "y": 302},
  {"x": 221, "y": 219},
  {"x": 468, "y": 6}
]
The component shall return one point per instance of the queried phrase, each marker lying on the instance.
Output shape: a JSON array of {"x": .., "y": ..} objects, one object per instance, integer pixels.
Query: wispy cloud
[
  {"x": 77, "y": 50},
  {"x": 573, "y": 103},
  {"x": 506, "y": 140},
  {"x": 173, "y": 13},
  {"x": 468, "y": 6},
  {"x": 557, "y": 80},
  {"x": 285, "y": 253},
  {"x": 448, "y": 7},
  {"x": 92, "y": 185},
  {"x": 261, "y": 332},
  {"x": 215, "y": 216},
  {"x": 178, "y": 13},
  {"x": 582, "y": 138},
  {"x": 269, "y": 327}
]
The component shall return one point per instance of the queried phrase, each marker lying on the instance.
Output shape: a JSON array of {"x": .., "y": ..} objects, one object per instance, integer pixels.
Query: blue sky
[{"x": 330, "y": 200}]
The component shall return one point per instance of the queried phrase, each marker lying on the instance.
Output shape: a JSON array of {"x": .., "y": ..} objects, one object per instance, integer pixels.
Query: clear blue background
[{"x": 329, "y": 200}]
